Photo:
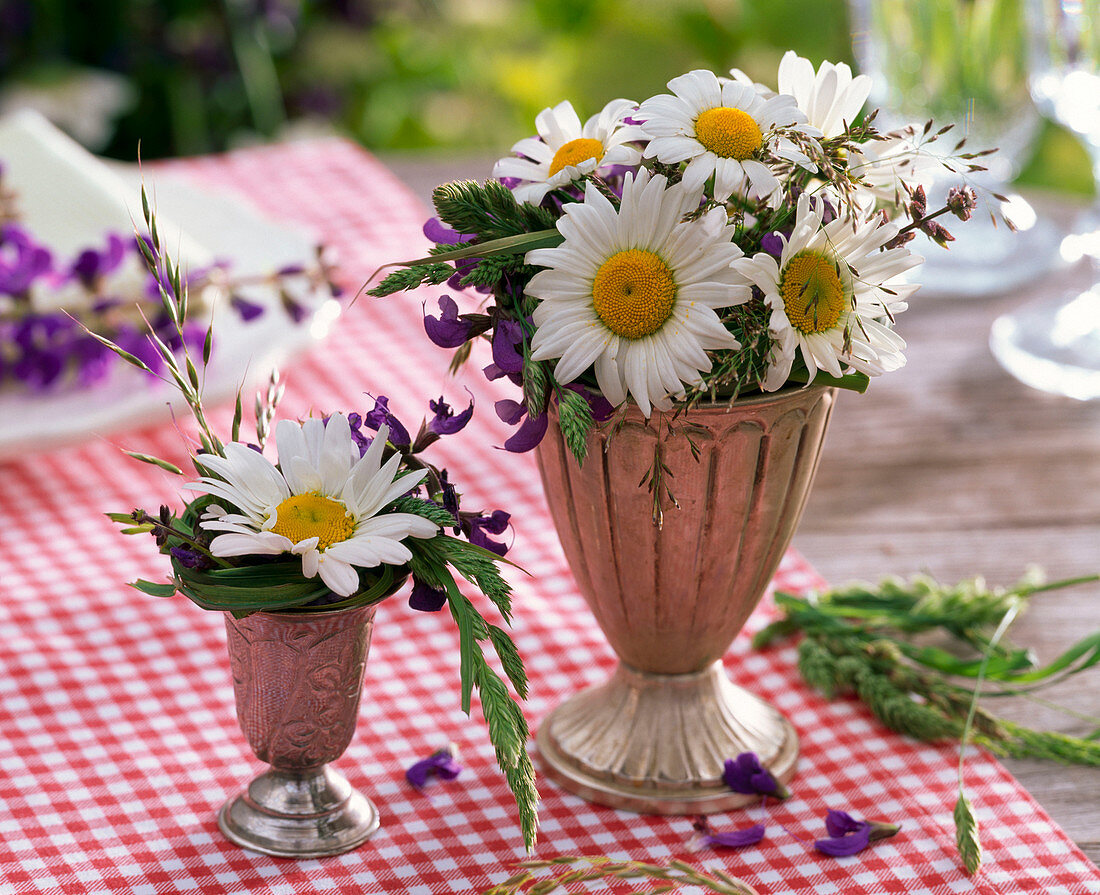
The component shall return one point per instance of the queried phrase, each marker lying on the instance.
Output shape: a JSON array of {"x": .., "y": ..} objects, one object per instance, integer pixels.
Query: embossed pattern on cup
[{"x": 297, "y": 678}]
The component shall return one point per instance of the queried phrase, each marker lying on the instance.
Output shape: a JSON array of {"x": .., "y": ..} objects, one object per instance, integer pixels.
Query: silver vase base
[
  {"x": 309, "y": 814},
  {"x": 658, "y": 743}
]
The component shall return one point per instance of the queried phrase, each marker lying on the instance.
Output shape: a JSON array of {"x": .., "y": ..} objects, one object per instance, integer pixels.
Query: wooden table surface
[{"x": 952, "y": 467}]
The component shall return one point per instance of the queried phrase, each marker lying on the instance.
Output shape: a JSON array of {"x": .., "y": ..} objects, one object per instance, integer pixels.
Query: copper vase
[
  {"x": 670, "y": 599},
  {"x": 297, "y": 678}
]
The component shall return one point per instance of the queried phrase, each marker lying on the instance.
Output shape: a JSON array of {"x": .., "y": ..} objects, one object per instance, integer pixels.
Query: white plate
[{"x": 243, "y": 352}]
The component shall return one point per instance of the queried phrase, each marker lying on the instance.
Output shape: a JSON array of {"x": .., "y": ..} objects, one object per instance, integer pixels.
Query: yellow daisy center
[
  {"x": 634, "y": 293},
  {"x": 729, "y": 133},
  {"x": 313, "y": 516},
  {"x": 813, "y": 294},
  {"x": 574, "y": 152}
]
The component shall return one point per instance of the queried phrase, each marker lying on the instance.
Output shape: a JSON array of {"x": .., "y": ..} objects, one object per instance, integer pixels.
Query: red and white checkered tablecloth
[{"x": 118, "y": 739}]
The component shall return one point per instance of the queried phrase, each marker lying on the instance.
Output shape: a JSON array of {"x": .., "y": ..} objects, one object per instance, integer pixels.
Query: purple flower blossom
[
  {"x": 435, "y": 230},
  {"x": 510, "y": 411},
  {"x": 507, "y": 335},
  {"x": 439, "y": 234},
  {"x": 445, "y": 422},
  {"x": 91, "y": 266},
  {"x": 21, "y": 260},
  {"x": 728, "y": 838},
  {"x": 493, "y": 372},
  {"x": 355, "y": 422},
  {"x": 425, "y": 598},
  {"x": 745, "y": 774},
  {"x": 479, "y": 528},
  {"x": 448, "y": 331},
  {"x": 439, "y": 764},
  {"x": 246, "y": 310},
  {"x": 529, "y": 434},
  {"x": 848, "y": 836},
  {"x": 190, "y": 559},
  {"x": 772, "y": 243},
  {"x": 381, "y": 416}
]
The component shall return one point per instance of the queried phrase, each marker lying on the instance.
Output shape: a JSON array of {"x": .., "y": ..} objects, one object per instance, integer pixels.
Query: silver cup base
[
  {"x": 308, "y": 814},
  {"x": 657, "y": 743}
]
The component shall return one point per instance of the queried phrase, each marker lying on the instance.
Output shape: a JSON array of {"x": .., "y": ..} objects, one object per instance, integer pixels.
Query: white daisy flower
[
  {"x": 320, "y": 503},
  {"x": 635, "y": 291},
  {"x": 567, "y": 151},
  {"x": 832, "y": 295},
  {"x": 830, "y": 97},
  {"x": 724, "y": 129}
]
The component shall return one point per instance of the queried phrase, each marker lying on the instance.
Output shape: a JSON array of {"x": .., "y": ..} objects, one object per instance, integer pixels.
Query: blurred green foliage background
[{"x": 195, "y": 76}]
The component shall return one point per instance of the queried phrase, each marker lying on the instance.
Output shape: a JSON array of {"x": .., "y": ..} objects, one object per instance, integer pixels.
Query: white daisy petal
[
  {"x": 339, "y": 576},
  {"x": 261, "y": 543}
]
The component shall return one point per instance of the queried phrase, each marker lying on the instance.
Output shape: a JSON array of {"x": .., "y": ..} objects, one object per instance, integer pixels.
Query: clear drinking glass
[
  {"x": 1053, "y": 342},
  {"x": 962, "y": 61}
]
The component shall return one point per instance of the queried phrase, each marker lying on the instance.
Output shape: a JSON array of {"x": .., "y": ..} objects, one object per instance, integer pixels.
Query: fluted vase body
[
  {"x": 670, "y": 598},
  {"x": 297, "y": 678}
]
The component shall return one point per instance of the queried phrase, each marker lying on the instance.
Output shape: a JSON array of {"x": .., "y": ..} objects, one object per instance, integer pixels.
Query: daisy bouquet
[
  {"x": 716, "y": 240},
  {"x": 347, "y": 512}
]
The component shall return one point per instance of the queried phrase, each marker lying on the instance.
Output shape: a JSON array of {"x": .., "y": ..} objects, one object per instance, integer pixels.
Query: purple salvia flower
[
  {"x": 355, "y": 422},
  {"x": 435, "y": 230},
  {"x": 190, "y": 559},
  {"x": 246, "y": 310},
  {"x": 425, "y": 598},
  {"x": 529, "y": 435},
  {"x": 447, "y": 331},
  {"x": 507, "y": 335},
  {"x": 745, "y": 774},
  {"x": 450, "y": 495},
  {"x": 445, "y": 422},
  {"x": 510, "y": 411},
  {"x": 848, "y": 836},
  {"x": 438, "y": 233},
  {"x": 441, "y": 764},
  {"x": 728, "y": 838},
  {"x": 91, "y": 265},
  {"x": 381, "y": 416},
  {"x": 493, "y": 372},
  {"x": 772, "y": 243},
  {"x": 21, "y": 260},
  {"x": 479, "y": 528}
]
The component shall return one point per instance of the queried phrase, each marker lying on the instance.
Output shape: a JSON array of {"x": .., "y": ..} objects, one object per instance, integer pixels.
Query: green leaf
[
  {"x": 966, "y": 835},
  {"x": 856, "y": 382},
  {"x": 1087, "y": 650},
  {"x": 155, "y": 461},
  {"x": 460, "y": 607},
  {"x": 153, "y": 588}
]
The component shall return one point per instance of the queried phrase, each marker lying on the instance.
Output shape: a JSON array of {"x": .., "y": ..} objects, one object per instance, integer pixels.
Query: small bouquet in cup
[{"x": 345, "y": 513}]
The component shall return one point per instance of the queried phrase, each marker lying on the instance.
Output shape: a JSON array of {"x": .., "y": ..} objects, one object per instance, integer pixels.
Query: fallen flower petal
[
  {"x": 439, "y": 764},
  {"x": 728, "y": 838},
  {"x": 745, "y": 774},
  {"x": 849, "y": 836}
]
